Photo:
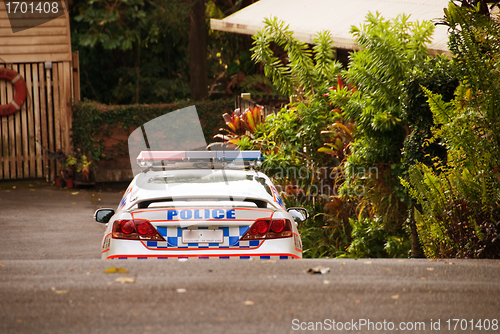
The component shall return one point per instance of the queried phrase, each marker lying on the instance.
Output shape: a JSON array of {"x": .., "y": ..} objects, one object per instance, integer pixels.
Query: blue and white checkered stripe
[
  {"x": 240, "y": 257},
  {"x": 173, "y": 235}
]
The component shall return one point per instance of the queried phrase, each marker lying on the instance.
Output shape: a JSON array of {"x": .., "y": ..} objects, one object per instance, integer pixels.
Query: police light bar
[{"x": 199, "y": 159}]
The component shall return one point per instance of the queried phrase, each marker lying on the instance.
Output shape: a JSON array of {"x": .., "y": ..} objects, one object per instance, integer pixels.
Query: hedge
[{"x": 94, "y": 123}]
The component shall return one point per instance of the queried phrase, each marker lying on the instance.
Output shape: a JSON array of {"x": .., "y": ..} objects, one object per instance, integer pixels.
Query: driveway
[
  {"x": 52, "y": 281},
  {"x": 39, "y": 221}
]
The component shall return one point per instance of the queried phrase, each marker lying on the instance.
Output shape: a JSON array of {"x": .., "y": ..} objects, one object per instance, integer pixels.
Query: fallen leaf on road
[
  {"x": 249, "y": 303},
  {"x": 368, "y": 262},
  {"x": 181, "y": 290},
  {"x": 430, "y": 269},
  {"x": 326, "y": 282},
  {"x": 113, "y": 270},
  {"x": 395, "y": 297},
  {"x": 124, "y": 280},
  {"x": 318, "y": 270},
  {"x": 59, "y": 292},
  {"x": 268, "y": 261},
  {"x": 2, "y": 265},
  {"x": 74, "y": 193}
]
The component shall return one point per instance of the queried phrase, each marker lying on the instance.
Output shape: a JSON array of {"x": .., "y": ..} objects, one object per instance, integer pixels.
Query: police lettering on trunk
[{"x": 205, "y": 214}]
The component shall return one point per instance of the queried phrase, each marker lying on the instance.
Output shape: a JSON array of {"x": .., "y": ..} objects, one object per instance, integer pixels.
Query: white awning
[{"x": 307, "y": 17}]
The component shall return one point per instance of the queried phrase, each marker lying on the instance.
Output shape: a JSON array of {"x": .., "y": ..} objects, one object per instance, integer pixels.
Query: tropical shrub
[
  {"x": 306, "y": 73},
  {"x": 240, "y": 124},
  {"x": 355, "y": 130},
  {"x": 371, "y": 239},
  {"x": 292, "y": 137},
  {"x": 393, "y": 52},
  {"x": 306, "y": 142},
  {"x": 458, "y": 196},
  {"x": 368, "y": 133}
]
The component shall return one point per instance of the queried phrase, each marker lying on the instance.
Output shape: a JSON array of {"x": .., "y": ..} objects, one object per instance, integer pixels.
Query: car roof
[{"x": 200, "y": 184}]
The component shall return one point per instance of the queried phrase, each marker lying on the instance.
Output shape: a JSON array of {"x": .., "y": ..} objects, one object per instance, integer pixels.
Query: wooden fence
[{"x": 41, "y": 126}]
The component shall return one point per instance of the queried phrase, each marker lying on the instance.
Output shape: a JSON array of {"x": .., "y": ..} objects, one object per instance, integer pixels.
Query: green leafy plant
[
  {"x": 339, "y": 137},
  {"x": 298, "y": 140},
  {"x": 342, "y": 127},
  {"x": 371, "y": 239},
  {"x": 305, "y": 73},
  {"x": 458, "y": 197},
  {"x": 241, "y": 124},
  {"x": 366, "y": 126},
  {"x": 78, "y": 164},
  {"x": 458, "y": 213},
  {"x": 393, "y": 52}
]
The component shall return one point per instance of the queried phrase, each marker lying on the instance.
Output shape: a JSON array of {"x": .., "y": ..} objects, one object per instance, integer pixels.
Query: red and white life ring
[{"x": 18, "y": 82}]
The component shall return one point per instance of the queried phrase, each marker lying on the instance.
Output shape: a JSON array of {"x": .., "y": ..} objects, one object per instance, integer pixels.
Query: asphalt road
[{"x": 52, "y": 281}]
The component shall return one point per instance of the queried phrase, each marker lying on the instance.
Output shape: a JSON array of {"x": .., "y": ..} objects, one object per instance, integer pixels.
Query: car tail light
[
  {"x": 269, "y": 229},
  {"x": 278, "y": 225},
  {"x": 126, "y": 226},
  {"x": 135, "y": 230}
]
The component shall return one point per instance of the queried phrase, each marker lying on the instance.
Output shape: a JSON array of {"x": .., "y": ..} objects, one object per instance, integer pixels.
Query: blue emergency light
[{"x": 199, "y": 159}]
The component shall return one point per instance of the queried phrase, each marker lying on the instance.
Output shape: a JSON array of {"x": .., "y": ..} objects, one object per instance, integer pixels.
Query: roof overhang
[{"x": 307, "y": 18}]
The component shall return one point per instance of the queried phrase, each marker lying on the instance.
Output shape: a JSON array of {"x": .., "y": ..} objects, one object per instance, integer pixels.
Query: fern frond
[
  {"x": 300, "y": 74},
  {"x": 442, "y": 111},
  {"x": 326, "y": 69}
]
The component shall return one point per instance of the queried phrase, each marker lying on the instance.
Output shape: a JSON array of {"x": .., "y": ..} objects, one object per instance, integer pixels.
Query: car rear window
[{"x": 189, "y": 178}]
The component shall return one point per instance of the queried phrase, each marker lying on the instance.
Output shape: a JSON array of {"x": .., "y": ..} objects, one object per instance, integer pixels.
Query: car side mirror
[
  {"x": 103, "y": 215},
  {"x": 299, "y": 214}
]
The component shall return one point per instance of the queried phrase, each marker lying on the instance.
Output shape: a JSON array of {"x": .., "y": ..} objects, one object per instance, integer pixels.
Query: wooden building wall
[
  {"x": 42, "y": 55},
  {"x": 49, "y": 42}
]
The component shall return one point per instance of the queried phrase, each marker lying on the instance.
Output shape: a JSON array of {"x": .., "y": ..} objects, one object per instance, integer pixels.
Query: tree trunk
[
  {"x": 416, "y": 250},
  {"x": 198, "y": 51},
  {"x": 137, "y": 72}
]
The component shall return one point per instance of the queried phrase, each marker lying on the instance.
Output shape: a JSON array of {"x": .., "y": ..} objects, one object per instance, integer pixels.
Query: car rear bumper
[
  {"x": 278, "y": 249},
  {"x": 228, "y": 257}
]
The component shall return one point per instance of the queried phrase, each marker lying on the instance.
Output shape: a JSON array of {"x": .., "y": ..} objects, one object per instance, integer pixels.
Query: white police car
[{"x": 201, "y": 204}]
